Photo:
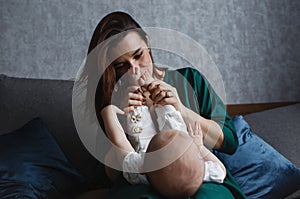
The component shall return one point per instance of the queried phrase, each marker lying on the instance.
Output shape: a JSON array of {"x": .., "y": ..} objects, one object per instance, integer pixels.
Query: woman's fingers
[
  {"x": 163, "y": 94},
  {"x": 136, "y": 102},
  {"x": 158, "y": 93},
  {"x": 170, "y": 100},
  {"x": 154, "y": 84},
  {"x": 132, "y": 89},
  {"x": 159, "y": 96},
  {"x": 134, "y": 98}
]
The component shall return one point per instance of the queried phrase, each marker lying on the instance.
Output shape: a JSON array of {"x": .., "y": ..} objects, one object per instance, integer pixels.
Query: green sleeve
[{"x": 196, "y": 93}]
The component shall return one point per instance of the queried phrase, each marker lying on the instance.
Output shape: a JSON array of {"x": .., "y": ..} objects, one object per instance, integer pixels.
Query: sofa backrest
[{"x": 23, "y": 99}]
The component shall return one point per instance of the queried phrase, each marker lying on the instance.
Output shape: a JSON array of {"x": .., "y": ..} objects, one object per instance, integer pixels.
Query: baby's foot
[
  {"x": 196, "y": 133},
  {"x": 145, "y": 79},
  {"x": 132, "y": 77}
]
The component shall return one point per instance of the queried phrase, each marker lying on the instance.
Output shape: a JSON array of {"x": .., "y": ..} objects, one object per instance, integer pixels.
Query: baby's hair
[{"x": 176, "y": 179}]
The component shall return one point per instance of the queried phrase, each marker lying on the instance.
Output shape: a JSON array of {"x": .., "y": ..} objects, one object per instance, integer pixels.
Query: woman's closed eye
[
  {"x": 139, "y": 55},
  {"x": 124, "y": 66},
  {"x": 121, "y": 66}
]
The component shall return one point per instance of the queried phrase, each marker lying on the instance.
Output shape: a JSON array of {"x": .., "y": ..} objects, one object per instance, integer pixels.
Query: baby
[
  {"x": 184, "y": 176},
  {"x": 140, "y": 128}
]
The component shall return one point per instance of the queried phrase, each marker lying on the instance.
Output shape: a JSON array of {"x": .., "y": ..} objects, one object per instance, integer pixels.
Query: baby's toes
[
  {"x": 142, "y": 82},
  {"x": 147, "y": 77}
]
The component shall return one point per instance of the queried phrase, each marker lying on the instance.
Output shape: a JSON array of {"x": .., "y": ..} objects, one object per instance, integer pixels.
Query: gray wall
[{"x": 255, "y": 43}]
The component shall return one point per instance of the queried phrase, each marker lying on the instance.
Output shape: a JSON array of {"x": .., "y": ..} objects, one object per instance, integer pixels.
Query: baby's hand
[
  {"x": 196, "y": 134},
  {"x": 111, "y": 110}
]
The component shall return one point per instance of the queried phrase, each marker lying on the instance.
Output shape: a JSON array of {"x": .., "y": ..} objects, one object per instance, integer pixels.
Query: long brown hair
[{"x": 111, "y": 25}]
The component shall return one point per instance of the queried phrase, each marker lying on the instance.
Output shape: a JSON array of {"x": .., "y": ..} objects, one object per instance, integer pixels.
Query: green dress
[{"x": 195, "y": 93}]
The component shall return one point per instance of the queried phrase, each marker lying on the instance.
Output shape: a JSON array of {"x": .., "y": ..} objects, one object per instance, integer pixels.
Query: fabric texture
[
  {"x": 33, "y": 166},
  {"x": 167, "y": 118},
  {"x": 280, "y": 127},
  {"x": 259, "y": 169},
  {"x": 132, "y": 167},
  {"x": 213, "y": 172},
  {"x": 140, "y": 128}
]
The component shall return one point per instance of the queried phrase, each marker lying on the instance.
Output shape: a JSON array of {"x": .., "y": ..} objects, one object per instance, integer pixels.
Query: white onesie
[{"x": 140, "y": 129}]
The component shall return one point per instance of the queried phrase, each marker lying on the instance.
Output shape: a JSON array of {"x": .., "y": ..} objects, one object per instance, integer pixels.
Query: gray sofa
[
  {"x": 23, "y": 99},
  {"x": 280, "y": 127}
]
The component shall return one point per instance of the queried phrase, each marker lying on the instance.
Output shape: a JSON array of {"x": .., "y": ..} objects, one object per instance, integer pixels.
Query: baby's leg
[{"x": 169, "y": 118}]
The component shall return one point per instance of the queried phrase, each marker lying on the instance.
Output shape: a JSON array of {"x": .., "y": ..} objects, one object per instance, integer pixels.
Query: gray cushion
[
  {"x": 280, "y": 127},
  {"x": 22, "y": 99}
]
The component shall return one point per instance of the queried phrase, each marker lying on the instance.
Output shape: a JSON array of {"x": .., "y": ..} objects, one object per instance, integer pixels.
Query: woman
[{"x": 131, "y": 51}]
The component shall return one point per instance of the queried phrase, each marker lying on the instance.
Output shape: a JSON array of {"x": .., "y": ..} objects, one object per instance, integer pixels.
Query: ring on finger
[{"x": 167, "y": 94}]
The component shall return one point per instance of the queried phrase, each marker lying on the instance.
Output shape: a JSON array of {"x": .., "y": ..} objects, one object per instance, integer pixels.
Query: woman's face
[{"x": 132, "y": 54}]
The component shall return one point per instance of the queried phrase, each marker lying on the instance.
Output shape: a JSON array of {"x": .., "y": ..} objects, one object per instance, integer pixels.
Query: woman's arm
[
  {"x": 212, "y": 132},
  {"x": 191, "y": 94}
]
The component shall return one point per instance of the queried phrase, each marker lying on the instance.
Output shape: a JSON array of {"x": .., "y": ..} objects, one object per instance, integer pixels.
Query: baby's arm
[
  {"x": 206, "y": 154},
  {"x": 130, "y": 161},
  {"x": 115, "y": 132}
]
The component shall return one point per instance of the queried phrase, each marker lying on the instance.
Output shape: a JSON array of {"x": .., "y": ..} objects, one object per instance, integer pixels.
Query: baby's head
[{"x": 184, "y": 176}]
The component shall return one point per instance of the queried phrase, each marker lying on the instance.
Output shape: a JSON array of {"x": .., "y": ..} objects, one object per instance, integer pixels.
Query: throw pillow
[
  {"x": 258, "y": 168},
  {"x": 32, "y": 165}
]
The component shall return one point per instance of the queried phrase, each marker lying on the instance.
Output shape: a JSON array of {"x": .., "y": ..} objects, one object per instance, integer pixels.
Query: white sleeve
[
  {"x": 213, "y": 172},
  {"x": 169, "y": 118},
  {"x": 132, "y": 165}
]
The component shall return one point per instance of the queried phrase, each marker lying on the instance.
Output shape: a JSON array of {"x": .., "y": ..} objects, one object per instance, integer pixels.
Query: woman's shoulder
[
  {"x": 185, "y": 71},
  {"x": 189, "y": 74}
]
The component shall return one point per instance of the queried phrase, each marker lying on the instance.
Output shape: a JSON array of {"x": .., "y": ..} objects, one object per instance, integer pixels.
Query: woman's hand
[
  {"x": 133, "y": 98},
  {"x": 163, "y": 94}
]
